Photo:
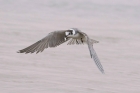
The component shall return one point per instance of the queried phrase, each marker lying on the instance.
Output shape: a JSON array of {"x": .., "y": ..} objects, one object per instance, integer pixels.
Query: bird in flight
[{"x": 55, "y": 38}]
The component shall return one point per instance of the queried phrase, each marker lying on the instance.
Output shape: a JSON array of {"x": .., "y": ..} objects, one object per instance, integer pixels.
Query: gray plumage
[{"x": 74, "y": 35}]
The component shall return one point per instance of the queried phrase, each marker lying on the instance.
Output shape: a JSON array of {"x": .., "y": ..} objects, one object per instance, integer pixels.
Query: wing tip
[
  {"x": 103, "y": 72},
  {"x": 19, "y": 51}
]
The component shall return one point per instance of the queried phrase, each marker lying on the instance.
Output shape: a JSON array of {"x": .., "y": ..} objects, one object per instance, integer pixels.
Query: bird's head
[{"x": 71, "y": 32}]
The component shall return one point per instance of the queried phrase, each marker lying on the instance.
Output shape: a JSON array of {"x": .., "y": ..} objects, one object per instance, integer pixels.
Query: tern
[{"x": 55, "y": 38}]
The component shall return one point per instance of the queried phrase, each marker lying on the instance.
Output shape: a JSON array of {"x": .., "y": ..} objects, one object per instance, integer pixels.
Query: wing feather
[
  {"x": 92, "y": 52},
  {"x": 94, "y": 55},
  {"x": 53, "y": 39},
  {"x": 75, "y": 41}
]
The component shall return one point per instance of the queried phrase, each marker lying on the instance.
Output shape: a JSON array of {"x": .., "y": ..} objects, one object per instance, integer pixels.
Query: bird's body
[{"x": 74, "y": 35}]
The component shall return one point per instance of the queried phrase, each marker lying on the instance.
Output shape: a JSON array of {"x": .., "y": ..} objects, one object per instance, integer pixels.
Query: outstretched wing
[
  {"x": 93, "y": 53},
  {"x": 53, "y": 39}
]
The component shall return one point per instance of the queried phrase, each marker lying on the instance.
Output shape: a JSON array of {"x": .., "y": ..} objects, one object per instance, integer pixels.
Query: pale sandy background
[{"x": 69, "y": 69}]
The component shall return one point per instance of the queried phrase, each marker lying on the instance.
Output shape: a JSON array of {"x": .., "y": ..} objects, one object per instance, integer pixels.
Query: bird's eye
[{"x": 71, "y": 33}]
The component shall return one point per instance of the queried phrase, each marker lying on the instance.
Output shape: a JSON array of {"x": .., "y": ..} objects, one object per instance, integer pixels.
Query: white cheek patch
[{"x": 67, "y": 33}]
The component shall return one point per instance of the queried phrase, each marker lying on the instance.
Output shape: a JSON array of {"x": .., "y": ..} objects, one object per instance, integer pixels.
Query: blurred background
[{"x": 69, "y": 69}]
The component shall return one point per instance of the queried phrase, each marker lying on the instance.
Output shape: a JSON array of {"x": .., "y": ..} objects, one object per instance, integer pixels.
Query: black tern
[{"x": 55, "y": 38}]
